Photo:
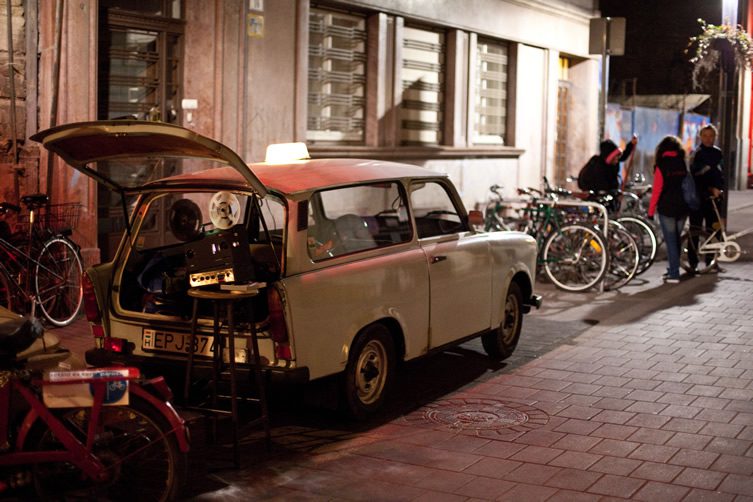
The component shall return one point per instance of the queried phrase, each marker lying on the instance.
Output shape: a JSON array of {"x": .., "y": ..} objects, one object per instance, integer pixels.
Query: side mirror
[{"x": 476, "y": 218}]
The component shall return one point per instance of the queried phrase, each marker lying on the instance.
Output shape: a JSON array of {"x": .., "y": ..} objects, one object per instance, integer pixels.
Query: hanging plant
[{"x": 719, "y": 46}]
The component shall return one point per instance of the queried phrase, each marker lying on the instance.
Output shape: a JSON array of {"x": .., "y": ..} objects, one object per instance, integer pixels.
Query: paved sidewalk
[{"x": 653, "y": 402}]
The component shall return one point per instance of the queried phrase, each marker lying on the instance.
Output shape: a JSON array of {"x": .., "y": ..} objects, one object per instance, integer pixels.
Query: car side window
[
  {"x": 434, "y": 210},
  {"x": 357, "y": 218}
]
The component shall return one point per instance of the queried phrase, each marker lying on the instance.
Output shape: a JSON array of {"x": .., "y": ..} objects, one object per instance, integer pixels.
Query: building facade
[{"x": 489, "y": 91}]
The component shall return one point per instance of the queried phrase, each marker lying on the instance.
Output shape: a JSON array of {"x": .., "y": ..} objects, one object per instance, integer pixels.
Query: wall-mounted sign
[
  {"x": 607, "y": 36},
  {"x": 255, "y": 26},
  {"x": 257, "y": 5}
]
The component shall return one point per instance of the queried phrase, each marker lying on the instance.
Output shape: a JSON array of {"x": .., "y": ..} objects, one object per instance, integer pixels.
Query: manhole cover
[{"x": 479, "y": 415}]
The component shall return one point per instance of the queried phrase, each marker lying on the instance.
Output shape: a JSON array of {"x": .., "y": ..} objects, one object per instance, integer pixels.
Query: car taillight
[
  {"x": 278, "y": 331},
  {"x": 115, "y": 344},
  {"x": 91, "y": 307}
]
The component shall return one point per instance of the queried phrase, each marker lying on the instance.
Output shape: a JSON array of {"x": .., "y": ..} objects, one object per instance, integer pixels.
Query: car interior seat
[{"x": 353, "y": 234}]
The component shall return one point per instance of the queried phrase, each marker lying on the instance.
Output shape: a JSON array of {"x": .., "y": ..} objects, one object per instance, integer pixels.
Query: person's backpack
[
  {"x": 690, "y": 194},
  {"x": 587, "y": 175}
]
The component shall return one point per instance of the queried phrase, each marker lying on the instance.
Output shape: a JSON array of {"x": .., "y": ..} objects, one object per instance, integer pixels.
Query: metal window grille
[
  {"x": 337, "y": 76},
  {"x": 423, "y": 67},
  {"x": 490, "y": 102}
]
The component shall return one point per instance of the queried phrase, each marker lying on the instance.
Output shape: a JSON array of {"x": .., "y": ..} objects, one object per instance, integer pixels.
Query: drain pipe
[
  {"x": 12, "y": 84},
  {"x": 55, "y": 89}
]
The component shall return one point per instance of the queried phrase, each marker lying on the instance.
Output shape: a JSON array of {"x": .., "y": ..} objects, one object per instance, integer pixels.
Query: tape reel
[{"x": 224, "y": 210}]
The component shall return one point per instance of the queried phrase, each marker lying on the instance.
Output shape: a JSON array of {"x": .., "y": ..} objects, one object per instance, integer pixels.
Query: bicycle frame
[
  {"x": 719, "y": 247},
  {"x": 75, "y": 452}
]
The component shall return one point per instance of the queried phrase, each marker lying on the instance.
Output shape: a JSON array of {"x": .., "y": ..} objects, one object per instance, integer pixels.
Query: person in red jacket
[{"x": 667, "y": 200}]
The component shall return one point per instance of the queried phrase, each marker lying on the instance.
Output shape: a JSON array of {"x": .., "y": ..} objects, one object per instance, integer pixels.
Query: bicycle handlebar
[{"x": 7, "y": 206}]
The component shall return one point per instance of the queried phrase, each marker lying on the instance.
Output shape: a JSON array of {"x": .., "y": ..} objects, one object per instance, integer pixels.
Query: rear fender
[{"x": 177, "y": 424}]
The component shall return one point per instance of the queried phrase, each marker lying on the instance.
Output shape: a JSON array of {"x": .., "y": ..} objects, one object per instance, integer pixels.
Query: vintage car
[{"x": 360, "y": 264}]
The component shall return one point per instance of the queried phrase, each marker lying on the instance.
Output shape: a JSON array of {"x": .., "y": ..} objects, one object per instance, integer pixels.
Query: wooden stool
[{"x": 227, "y": 299}]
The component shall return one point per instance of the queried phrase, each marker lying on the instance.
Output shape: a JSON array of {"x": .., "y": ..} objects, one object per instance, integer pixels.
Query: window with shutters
[
  {"x": 423, "y": 76},
  {"x": 490, "y": 103},
  {"x": 337, "y": 77}
]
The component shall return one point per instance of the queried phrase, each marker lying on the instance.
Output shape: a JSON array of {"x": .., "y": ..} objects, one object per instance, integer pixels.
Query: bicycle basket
[{"x": 56, "y": 217}]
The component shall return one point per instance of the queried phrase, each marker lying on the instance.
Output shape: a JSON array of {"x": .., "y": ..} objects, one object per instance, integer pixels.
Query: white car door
[{"x": 459, "y": 265}]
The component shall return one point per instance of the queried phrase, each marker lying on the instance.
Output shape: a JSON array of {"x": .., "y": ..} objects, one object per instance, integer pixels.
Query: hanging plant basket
[{"x": 723, "y": 46}]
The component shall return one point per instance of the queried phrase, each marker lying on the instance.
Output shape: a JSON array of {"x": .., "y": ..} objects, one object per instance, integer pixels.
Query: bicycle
[
  {"x": 623, "y": 250},
  {"x": 714, "y": 246},
  {"x": 41, "y": 267},
  {"x": 125, "y": 443},
  {"x": 493, "y": 219},
  {"x": 573, "y": 256},
  {"x": 630, "y": 215}
]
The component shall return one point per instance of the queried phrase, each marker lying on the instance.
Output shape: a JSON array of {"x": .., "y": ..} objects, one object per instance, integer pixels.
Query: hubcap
[
  {"x": 371, "y": 372},
  {"x": 511, "y": 320}
]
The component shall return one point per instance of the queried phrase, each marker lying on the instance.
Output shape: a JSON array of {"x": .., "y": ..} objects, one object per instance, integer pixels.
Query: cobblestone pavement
[{"x": 644, "y": 394}]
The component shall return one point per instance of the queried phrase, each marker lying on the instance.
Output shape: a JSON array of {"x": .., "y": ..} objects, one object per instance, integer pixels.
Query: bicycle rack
[{"x": 604, "y": 216}]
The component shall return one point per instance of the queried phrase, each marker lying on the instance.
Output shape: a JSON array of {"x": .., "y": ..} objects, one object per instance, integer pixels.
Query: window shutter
[
  {"x": 421, "y": 112},
  {"x": 337, "y": 77},
  {"x": 490, "y": 93}
]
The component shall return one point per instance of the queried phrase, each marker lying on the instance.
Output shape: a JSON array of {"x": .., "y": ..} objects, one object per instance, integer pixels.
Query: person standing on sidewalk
[
  {"x": 708, "y": 173},
  {"x": 667, "y": 199}
]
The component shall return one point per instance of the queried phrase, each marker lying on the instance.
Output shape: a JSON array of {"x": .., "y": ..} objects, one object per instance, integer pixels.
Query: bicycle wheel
[
  {"x": 143, "y": 459},
  {"x": 57, "y": 281},
  {"x": 623, "y": 257},
  {"x": 644, "y": 237},
  {"x": 691, "y": 257},
  {"x": 575, "y": 257}
]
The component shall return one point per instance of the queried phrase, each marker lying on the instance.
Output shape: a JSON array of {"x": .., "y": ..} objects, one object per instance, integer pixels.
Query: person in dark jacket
[
  {"x": 667, "y": 199},
  {"x": 603, "y": 175},
  {"x": 708, "y": 173}
]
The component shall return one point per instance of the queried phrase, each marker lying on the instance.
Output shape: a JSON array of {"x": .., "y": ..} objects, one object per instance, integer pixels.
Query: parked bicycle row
[
  {"x": 602, "y": 239},
  {"x": 585, "y": 239}
]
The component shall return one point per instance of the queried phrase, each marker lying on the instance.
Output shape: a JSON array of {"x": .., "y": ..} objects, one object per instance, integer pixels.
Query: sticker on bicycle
[{"x": 59, "y": 394}]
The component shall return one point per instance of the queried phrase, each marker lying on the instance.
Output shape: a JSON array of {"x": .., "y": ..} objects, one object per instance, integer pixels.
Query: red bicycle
[{"x": 119, "y": 439}]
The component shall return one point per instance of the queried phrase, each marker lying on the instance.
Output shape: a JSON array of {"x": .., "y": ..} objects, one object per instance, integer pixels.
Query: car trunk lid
[{"x": 83, "y": 144}]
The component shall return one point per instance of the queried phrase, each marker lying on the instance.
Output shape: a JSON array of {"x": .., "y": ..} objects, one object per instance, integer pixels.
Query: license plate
[
  {"x": 166, "y": 341},
  {"x": 152, "y": 339}
]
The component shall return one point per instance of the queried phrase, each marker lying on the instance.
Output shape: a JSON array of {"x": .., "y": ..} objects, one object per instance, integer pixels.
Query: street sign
[{"x": 607, "y": 35}]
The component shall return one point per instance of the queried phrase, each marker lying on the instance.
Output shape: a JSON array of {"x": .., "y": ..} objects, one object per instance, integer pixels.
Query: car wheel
[
  {"x": 370, "y": 371},
  {"x": 501, "y": 342}
]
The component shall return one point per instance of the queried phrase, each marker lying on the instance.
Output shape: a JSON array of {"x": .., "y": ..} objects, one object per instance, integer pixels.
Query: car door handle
[{"x": 437, "y": 259}]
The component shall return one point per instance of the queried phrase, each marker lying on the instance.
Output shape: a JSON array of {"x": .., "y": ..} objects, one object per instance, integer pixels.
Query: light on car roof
[{"x": 282, "y": 153}]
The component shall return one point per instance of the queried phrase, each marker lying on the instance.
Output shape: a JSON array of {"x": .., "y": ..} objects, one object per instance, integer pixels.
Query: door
[
  {"x": 140, "y": 71},
  {"x": 459, "y": 265}
]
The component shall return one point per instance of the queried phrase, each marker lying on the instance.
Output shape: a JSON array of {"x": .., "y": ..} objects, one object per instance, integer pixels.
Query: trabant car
[{"x": 360, "y": 264}]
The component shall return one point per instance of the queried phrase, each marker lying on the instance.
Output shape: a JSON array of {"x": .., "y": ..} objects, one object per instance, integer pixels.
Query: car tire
[
  {"x": 370, "y": 371},
  {"x": 500, "y": 343}
]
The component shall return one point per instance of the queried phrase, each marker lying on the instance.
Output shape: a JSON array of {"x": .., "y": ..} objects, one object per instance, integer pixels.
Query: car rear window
[{"x": 357, "y": 218}]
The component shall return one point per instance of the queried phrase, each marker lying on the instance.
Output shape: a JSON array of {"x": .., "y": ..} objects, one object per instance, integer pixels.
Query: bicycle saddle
[
  {"x": 17, "y": 333},
  {"x": 35, "y": 200}
]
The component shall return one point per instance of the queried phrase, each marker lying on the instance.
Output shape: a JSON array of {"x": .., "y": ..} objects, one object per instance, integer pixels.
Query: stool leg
[
  {"x": 233, "y": 388},
  {"x": 217, "y": 355},
  {"x": 191, "y": 340},
  {"x": 260, "y": 384}
]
